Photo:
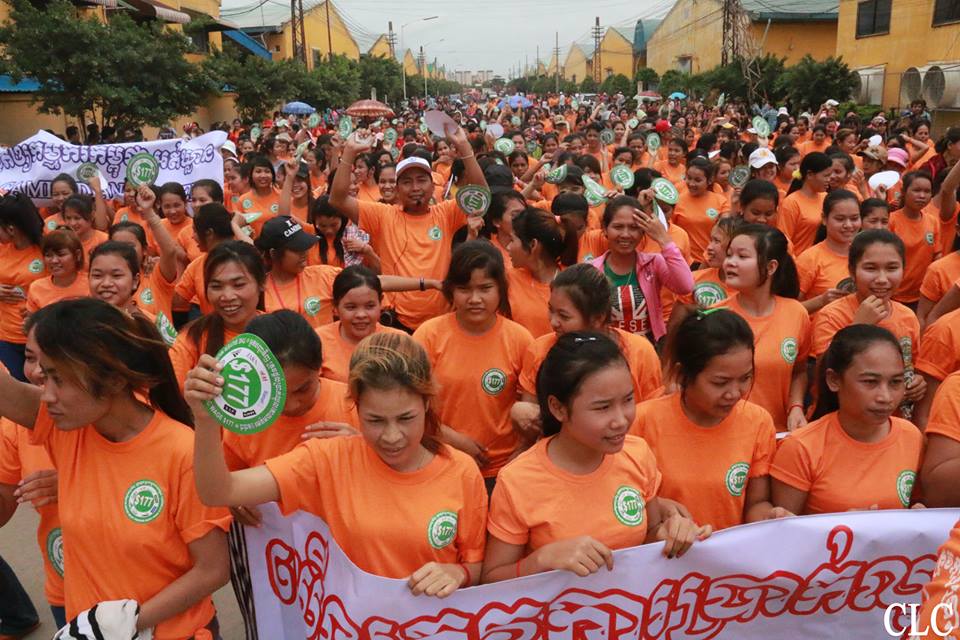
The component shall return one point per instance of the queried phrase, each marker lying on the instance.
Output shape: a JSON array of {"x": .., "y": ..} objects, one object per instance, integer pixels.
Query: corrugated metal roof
[
  {"x": 642, "y": 32},
  {"x": 248, "y": 43},
  {"x": 789, "y": 10},
  {"x": 27, "y": 85}
]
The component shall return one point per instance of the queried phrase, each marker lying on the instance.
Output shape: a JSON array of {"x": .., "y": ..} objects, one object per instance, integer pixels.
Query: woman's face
[
  {"x": 519, "y": 256},
  {"x": 442, "y": 149},
  {"x": 361, "y": 171},
  {"x": 111, "y": 280},
  {"x": 918, "y": 194},
  {"x": 80, "y": 225},
  {"x": 723, "y": 174},
  {"x": 60, "y": 262},
  {"x": 923, "y": 133},
  {"x": 623, "y": 233},
  {"x": 696, "y": 181},
  {"x": 767, "y": 172},
  {"x": 68, "y": 402},
  {"x": 262, "y": 178},
  {"x": 477, "y": 301},
  {"x": 819, "y": 136},
  {"x": 877, "y": 218},
  {"x": 716, "y": 249},
  {"x": 59, "y": 192},
  {"x": 234, "y": 181},
  {"x": 519, "y": 166},
  {"x": 760, "y": 211},
  {"x": 291, "y": 262},
  {"x": 233, "y": 293},
  {"x": 550, "y": 145},
  {"x": 843, "y": 222},
  {"x": 741, "y": 265},
  {"x": 199, "y": 196},
  {"x": 174, "y": 208},
  {"x": 848, "y": 144},
  {"x": 299, "y": 189},
  {"x": 392, "y": 422},
  {"x": 128, "y": 238},
  {"x": 727, "y": 379},
  {"x": 790, "y": 167},
  {"x": 303, "y": 388},
  {"x": 872, "y": 387},
  {"x": 839, "y": 177},
  {"x": 878, "y": 272},
  {"x": 359, "y": 312},
  {"x": 328, "y": 226},
  {"x": 564, "y": 315},
  {"x": 600, "y": 414},
  {"x": 247, "y": 147},
  {"x": 638, "y": 146},
  {"x": 388, "y": 184},
  {"x": 675, "y": 153},
  {"x": 129, "y": 195},
  {"x": 819, "y": 181}
]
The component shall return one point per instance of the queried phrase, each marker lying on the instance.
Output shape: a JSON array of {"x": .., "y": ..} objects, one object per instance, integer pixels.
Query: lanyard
[{"x": 276, "y": 292}]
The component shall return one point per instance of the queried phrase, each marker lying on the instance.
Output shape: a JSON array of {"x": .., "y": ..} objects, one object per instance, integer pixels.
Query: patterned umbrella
[{"x": 369, "y": 108}]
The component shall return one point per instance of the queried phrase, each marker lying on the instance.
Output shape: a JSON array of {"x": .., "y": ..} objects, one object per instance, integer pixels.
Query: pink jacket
[{"x": 655, "y": 270}]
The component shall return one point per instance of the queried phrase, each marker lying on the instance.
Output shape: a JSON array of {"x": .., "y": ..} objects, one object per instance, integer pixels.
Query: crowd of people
[{"x": 670, "y": 320}]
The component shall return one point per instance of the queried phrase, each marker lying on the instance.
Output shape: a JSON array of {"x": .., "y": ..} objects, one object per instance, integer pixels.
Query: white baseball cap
[
  {"x": 413, "y": 162},
  {"x": 229, "y": 147},
  {"x": 762, "y": 157}
]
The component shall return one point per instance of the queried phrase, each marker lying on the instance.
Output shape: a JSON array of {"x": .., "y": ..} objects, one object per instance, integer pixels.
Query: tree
[
  {"x": 259, "y": 84},
  {"x": 334, "y": 82},
  {"x": 133, "y": 74},
  {"x": 619, "y": 82},
  {"x": 588, "y": 85},
  {"x": 382, "y": 74},
  {"x": 647, "y": 77},
  {"x": 808, "y": 84}
]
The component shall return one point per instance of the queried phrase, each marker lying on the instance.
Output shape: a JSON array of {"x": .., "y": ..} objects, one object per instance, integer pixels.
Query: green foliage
[
  {"x": 259, "y": 84},
  {"x": 649, "y": 77},
  {"x": 382, "y": 74},
  {"x": 333, "y": 82},
  {"x": 808, "y": 84},
  {"x": 434, "y": 87},
  {"x": 588, "y": 85},
  {"x": 134, "y": 74},
  {"x": 674, "y": 80},
  {"x": 618, "y": 82}
]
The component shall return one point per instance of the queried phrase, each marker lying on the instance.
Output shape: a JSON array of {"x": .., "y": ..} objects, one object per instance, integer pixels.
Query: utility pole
[
  {"x": 537, "y": 72},
  {"x": 329, "y": 31},
  {"x": 423, "y": 71},
  {"x": 297, "y": 34},
  {"x": 729, "y": 33},
  {"x": 556, "y": 67},
  {"x": 392, "y": 40},
  {"x": 597, "y": 37}
]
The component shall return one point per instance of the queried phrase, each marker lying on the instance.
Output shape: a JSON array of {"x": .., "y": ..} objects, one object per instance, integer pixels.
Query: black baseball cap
[{"x": 284, "y": 232}]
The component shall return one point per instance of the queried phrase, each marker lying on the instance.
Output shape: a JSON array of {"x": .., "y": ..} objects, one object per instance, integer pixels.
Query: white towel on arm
[{"x": 112, "y": 620}]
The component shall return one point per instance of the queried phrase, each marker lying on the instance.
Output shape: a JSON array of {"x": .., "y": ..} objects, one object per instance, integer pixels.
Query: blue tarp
[
  {"x": 248, "y": 43},
  {"x": 27, "y": 85}
]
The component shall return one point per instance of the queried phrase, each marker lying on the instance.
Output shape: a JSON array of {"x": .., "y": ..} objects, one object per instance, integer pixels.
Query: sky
[{"x": 494, "y": 34}]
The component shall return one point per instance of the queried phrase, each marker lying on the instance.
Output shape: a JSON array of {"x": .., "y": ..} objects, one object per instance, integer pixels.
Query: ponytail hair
[
  {"x": 704, "y": 335},
  {"x": 813, "y": 162},
  {"x": 587, "y": 289},
  {"x": 98, "y": 345},
  {"x": 17, "y": 210},
  {"x": 290, "y": 337},
  {"x": 575, "y": 357},
  {"x": 558, "y": 245},
  {"x": 951, "y": 136},
  {"x": 771, "y": 244},
  {"x": 386, "y": 361}
]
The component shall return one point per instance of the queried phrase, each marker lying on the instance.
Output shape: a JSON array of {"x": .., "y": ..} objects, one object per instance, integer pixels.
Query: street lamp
[{"x": 403, "y": 70}]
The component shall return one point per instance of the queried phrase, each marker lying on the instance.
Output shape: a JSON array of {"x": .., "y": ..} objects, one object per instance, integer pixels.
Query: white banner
[
  {"x": 829, "y": 576},
  {"x": 31, "y": 165}
]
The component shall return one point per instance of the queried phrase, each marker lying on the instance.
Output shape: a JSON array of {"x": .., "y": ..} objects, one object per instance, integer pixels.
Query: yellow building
[
  {"x": 272, "y": 27},
  {"x": 380, "y": 47},
  {"x": 904, "y": 50},
  {"x": 690, "y": 38},
  {"x": 616, "y": 53},
  {"x": 578, "y": 63}
]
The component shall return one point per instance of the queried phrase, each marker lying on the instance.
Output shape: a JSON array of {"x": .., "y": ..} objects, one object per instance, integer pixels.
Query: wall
[
  {"x": 694, "y": 29},
  {"x": 575, "y": 66},
  {"x": 912, "y": 42},
  {"x": 793, "y": 40},
  {"x": 380, "y": 48},
  {"x": 315, "y": 28},
  {"x": 616, "y": 54}
]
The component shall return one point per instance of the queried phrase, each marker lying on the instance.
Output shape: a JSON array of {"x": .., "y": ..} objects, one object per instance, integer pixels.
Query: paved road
[{"x": 18, "y": 546}]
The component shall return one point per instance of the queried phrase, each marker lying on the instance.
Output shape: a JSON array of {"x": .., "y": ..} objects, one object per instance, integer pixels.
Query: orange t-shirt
[
  {"x": 479, "y": 379},
  {"x": 529, "y": 299},
  {"x": 258, "y": 209},
  {"x": 939, "y": 353},
  {"x": 94, "y": 240},
  {"x": 820, "y": 268},
  {"x": 337, "y": 350},
  {"x": 186, "y": 240},
  {"x": 52, "y": 221},
  {"x": 940, "y": 276},
  {"x": 414, "y": 246},
  {"x": 799, "y": 218},
  {"x": 780, "y": 340},
  {"x": 944, "y": 417},
  {"x": 156, "y": 294},
  {"x": 191, "y": 288},
  {"x": 43, "y": 292},
  {"x": 640, "y": 355},
  {"x": 310, "y": 294},
  {"x": 677, "y": 175},
  {"x": 368, "y": 192},
  {"x": 436, "y": 514},
  {"x": 901, "y": 322},
  {"x": 706, "y": 469},
  {"x": 921, "y": 238},
  {"x": 128, "y": 214},
  {"x": 840, "y": 473},
  {"x": 593, "y": 243},
  {"x": 708, "y": 288},
  {"x": 251, "y": 450},
  {"x": 942, "y": 590},
  {"x": 697, "y": 215},
  {"x": 18, "y": 459},
  {"x": 536, "y": 502},
  {"x": 185, "y": 353},
  {"x": 18, "y": 268},
  {"x": 810, "y": 146},
  {"x": 131, "y": 504}
]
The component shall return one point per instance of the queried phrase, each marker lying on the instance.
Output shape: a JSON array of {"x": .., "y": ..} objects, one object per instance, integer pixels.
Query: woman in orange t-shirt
[
  {"x": 608, "y": 479},
  {"x": 262, "y": 201},
  {"x": 788, "y": 159},
  {"x": 698, "y": 208},
  {"x": 920, "y": 233},
  {"x": 62, "y": 187},
  {"x": 434, "y": 530},
  {"x": 713, "y": 447},
  {"x": 802, "y": 210},
  {"x": 758, "y": 203},
  {"x": 21, "y": 262},
  {"x": 63, "y": 259},
  {"x": 477, "y": 353},
  {"x": 172, "y": 202},
  {"x": 233, "y": 279},
  {"x": 672, "y": 168},
  {"x": 855, "y": 454},
  {"x": 537, "y": 249},
  {"x": 78, "y": 215},
  {"x": 357, "y": 296},
  {"x": 822, "y": 269},
  {"x": 941, "y": 458},
  {"x": 709, "y": 285},
  {"x": 764, "y": 277},
  {"x": 296, "y": 194},
  {"x": 112, "y": 418},
  {"x": 363, "y": 171}
]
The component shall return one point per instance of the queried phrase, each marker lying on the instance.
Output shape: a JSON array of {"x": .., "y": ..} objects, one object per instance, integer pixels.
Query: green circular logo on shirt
[
  {"x": 247, "y": 203},
  {"x": 588, "y": 257},
  {"x": 124, "y": 217},
  {"x": 166, "y": 328},
  {"x": 628, "y": 506},
  {"x": 51, "y": 224},
  {"x": 143, "y": 501},
  {"x": 442, "y": 529},
  {"x": 146, "y": 296},
  {"x": 493, "y": 381},
  {"x": 906, "y": 349},
  {"x": 736, "y": 479},
  {"x": 55, "y": 550},
  {"x": 35, "y": 266},
  {"x": 929, "y": 238},
  {"x": 788, "y": 349},
  {"x": 707, "y": 294},
  {"x": 905, "y": 486},
  {"x": 712, "y": 213},
  {"x": 274, "y": 208},
  {"x": 312, "y": 305},
  {"x": 435, "y": 233}
]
